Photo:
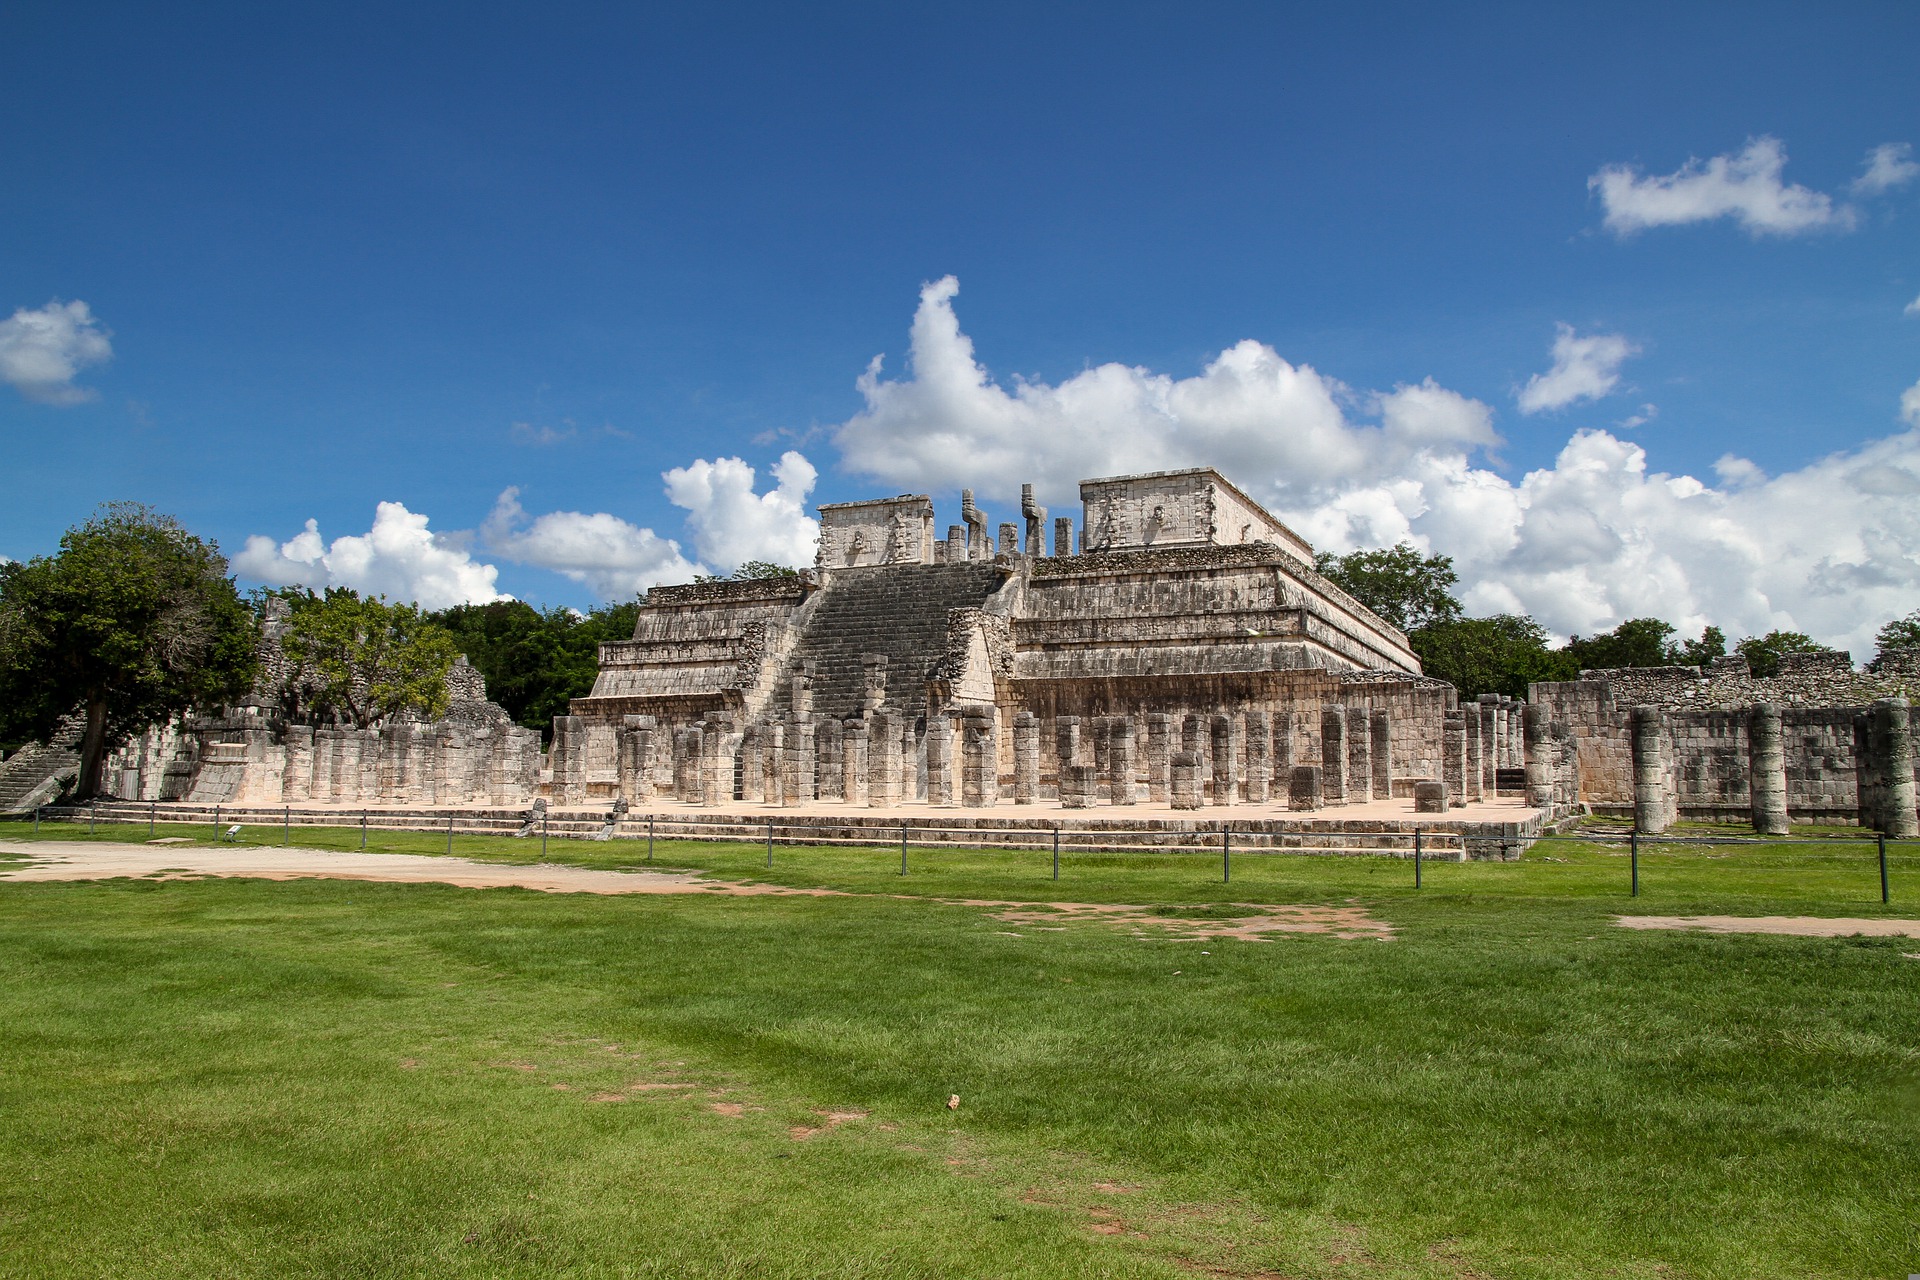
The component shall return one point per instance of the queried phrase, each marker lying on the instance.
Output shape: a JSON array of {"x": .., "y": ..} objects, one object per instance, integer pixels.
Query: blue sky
[{"x": 336, "y": 258}]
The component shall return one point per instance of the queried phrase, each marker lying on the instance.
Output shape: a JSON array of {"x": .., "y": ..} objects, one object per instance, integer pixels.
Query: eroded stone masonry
[{"x": 1173, "y": 648}]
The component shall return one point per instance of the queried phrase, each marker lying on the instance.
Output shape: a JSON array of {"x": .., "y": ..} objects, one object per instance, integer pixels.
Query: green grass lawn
[{"x": 330, "y": 1078}]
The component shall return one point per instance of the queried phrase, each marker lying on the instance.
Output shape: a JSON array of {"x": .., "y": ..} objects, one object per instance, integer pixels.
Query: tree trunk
[{"x": 93, "y": 750}]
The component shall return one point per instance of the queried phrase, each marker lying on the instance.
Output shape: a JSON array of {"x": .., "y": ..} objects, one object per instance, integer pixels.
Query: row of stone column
[
  {"x": 1883, "y": 768},
  {"x": 409, "y": 763}
]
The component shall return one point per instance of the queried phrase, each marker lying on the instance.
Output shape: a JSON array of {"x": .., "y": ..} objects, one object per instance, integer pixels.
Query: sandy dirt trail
[
  {"x": 62, "y": 860},
  {"x": 1799, "y": 926}
]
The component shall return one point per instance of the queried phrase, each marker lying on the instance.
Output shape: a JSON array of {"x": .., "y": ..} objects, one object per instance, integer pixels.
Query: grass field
[{"x": 331, "y": 1078}]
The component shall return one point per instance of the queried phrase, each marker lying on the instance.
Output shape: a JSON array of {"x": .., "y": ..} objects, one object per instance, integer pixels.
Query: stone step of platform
[{"x": 1321, "y": 837}]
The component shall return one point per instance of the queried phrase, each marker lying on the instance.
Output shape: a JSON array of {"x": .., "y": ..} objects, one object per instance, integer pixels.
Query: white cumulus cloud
[
  {"x": 1888, "y": 165},
  {"x": 399, "y": 557},
  {"x": 731, "y": 524},
  {"x": 1832, "y": 549},
  {"x": 1746, "y": 187},
  {"x": 43, "y": 351},
  {"x": 616, "y": 559},
  {"x": 1583, "y": 369}
]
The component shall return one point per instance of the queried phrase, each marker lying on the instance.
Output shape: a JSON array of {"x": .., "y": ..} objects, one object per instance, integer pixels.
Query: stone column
[
  {"x": 1381, "y": 723},
  {"x": 939, "y": 759},
  {"x": 1539, "y": 762},
  {"x": 1282, "y": 748},
  {"x": 1359, "y": 755},
  {"x": 830, "y": 775},
  {"x": 1893, "y": 731},
  {"x": 635, "y": 751},
  {"x": 853, "y": 763},
  {"x": 1009, "y": 538},
  {"x": 1079, "y": 786},
  {"x": 1259, "y": 757},
  {"x": 1766, "y": 770},
  {"x": 1185, "y": 769},
  {"x": 1453, "y": 757},
  {"x": 753, "y": 765},
  {"x": 297, "y": 782},
  {"x": 1063, "y": 535},
  {"x": 1652, "y": 788},
  {"x": 1493, "y": 734},
  {"x": 801, "y": 758},
  {"x": 1026, "y": 755},
  {"x": 1304, "y": 787},
  {"x": 1120, "y": 760},
  {"x": 1866, "y": 803},
  {"x": 716, "y": 762},
  {"x": 686, "y": 765},
  {"x": 1102, "y": 732},
  {"x": 773, "y": 763},
  {"x": 1516, "y": 736},
  {"x": 980, "y": 759},
  {"x": 569, "y": 760},
  {"x": 1221, "y": 735},
  {"x": 325, "y": 744},
  {"x": 1066, "y": 742},
  {"x": 1159, "y": 757},
  {"x": 883, "y": 760},
  {"x": 1333, "y": 755},
  {"x": 1476, "y": 745}
]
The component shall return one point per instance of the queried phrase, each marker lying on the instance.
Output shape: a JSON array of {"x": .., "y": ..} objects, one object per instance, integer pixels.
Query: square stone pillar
[
  {"x": 1539, "y": 756},
  {"x": 634, "y": 758},
  {"x": 1120, "y": 760},
  {"x": 829, "y": 773},
  {"x": 753, "y": 765},
  {"x": 1185, "y": 768},
  {"x": 773, "y": 764},
  {"x": 1470, "y": 714},
  {"x": 940, "y": 790},
  {"x": 1063, "y": 536},
  {"x": 1333, "y": 755},
  {"x": 1066, "y": 742},
  {"x": 1359, "y": 755},
  {"x": 686, "y": 765},
  {"x": 1102, "y": 734},
  {"x": 1282, "y": 748},
  {"x": 1079, "y": 786},
  {"x": 883, "y": 760},
  {"x": 853, "y": 763},
  {"x": 980, "y": 759},
  {"x": 716, "y": 761},
  {"x": 569, "y": 761},
  {"x": 1259, "y": 735},
  {"x": 1220, "y": 739},
  {"x": 1453, "y": 757},
  {"x": 325, "y": 745},
  {"x": 1305, "y": 790},
  {"x": 800, "y": 762},
  {"x": 297, "y": 782},
  {"x": 1159, "y": 757},
  {"x": 1381, "y": 723},
  {"x": 1026, "y": 757}
]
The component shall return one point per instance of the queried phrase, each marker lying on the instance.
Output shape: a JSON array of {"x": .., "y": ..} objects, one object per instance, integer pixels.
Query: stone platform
[{"x": 1382, "y": 828}]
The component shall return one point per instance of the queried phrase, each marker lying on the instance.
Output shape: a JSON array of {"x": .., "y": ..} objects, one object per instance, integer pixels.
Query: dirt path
[
  {"x": 62, "y": 860},
  {"x": 1799, "y": 926}
]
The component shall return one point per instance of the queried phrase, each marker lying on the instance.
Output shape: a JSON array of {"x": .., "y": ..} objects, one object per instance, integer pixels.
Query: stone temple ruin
[{"x": 1171, "y": 652}]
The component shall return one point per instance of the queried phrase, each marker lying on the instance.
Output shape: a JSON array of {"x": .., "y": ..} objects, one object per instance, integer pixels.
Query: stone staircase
[
  {"x": 36, "y": 774},
  {"x": 899, "y": 610}
]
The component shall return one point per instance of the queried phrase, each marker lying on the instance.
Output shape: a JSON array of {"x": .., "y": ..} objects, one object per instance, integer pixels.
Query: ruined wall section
[
  {"x": 1197, "y": 507},
  {"x": 696, "y": 648}
]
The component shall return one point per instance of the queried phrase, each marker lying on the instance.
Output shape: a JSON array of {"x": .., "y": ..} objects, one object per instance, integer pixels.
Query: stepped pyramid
[{"x": 33, "y": 775}]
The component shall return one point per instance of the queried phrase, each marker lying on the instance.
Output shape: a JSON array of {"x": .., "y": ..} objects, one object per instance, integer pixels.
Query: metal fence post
[
  {"x": 1883, "y": 866},
  {"x": 1056, "y": 853},
  {"x": 152, "y": 808},
  {"x": 903, "y": 846},
  {"x": 1416, "y": 857},
  {"x": 363, "y": 831},
  {"x": 216, "y": 822},
  {"x": 1226, "y": 855},
  {"x": 649, "y": 837},
  {"x": 449, "y": 833},
  {"x": 36, "y": 818},
  {"x": 769, "y": 844},
  {"x": 543, "y": 835},
  {"x": 1633, "y": 852},
  {"x": 91, "y": 806},
  {"x": 286, "y": 827}
]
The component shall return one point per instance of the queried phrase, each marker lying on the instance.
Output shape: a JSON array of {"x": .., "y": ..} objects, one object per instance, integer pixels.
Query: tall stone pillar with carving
[
  {"x": 1333, "y": 755},
  {"x": 1026, "y": 755},
  {"x": 635, "y": 768},
  {"x": 1185, "y": 769},
  {"x": 1381, "y": 754},
  {"x": 1159, "y": 757},
  {"x": 1101, "y": 731},
  {"x": 297, "y": 782},
  {"x": 1453, "y": 757},
  {"x": 854, "y": 769},
  {"x": 802, "y": 756},
  {"x": 1120, "y": 760},
  {"x": 1259, "y": 733},
  {"x": 1653, "y": 804},
  {"x": 980, "y": 759},
  {"x": 1036, "y": 518},
  {"x": 1066, "y": 742},
  {"x": 1063, "y": 536},
  {"x": 1282, "y": 751},
  {"x": 1359, "y": 755},
  {"x": 829, "y": 773},
  {"x": 1470, "y": 713},
  {"x": 753, "y": 765},
  {"x": 940, "y": 775},
  {"x": 1225, "y": 785},
  {"x": 569, "y": 760},
  {"x": 1767, "y": 770},
  {"x": 883, "y": 759},
  {"x": 1539, "y": 757}
]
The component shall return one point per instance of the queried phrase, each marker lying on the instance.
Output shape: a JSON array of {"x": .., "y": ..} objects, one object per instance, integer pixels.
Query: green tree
[
  {"x": 1637, "y": 642},
  {"x": 1763, "y": 653},
  {"x": 1406, "y": 588},
  {"x": 1501, "y": 654},
  {"x": 1897, "y": 642},
  {"x": 366, "y": 659},
  {"x": 133, "y": 622},
  {"x": 751, "y": 571},
  {"x": 536, "y": 662},
  {"x": 1698, "y": 653}
]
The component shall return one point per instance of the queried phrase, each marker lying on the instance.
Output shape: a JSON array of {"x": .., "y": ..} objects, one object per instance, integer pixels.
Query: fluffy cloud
[
  {"x": 1583, "y": 369},
  {"x": 398, "y": 557},
  {"x": 616, "y": 559},
  {"x": 1832, "y": 549},
  {"x": 731, "y": 524},
  {"x": 42, "y": 352},
  {"x": 1745, "y": 187},
  {"x": 1913, "y": 308},
  {"x": 1888, "y": 165}
]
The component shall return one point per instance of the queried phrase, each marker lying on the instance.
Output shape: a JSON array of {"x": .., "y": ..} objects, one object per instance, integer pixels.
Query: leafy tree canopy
[
  {"x": 1698, "y": 653},
  {"x": 1898, "y": 641},
  {"x": 1637, "y": 642},
  {"x": 751, "y": 571},
  {"x": 536, "y": 662},
  {"x": 1401, "y": 585},
  {"x": 1501, "y": 654},
  {"x": 1763, "y": 653},
  {"x": 133, "y": 622},
  {"x": 363, "y": 659}
]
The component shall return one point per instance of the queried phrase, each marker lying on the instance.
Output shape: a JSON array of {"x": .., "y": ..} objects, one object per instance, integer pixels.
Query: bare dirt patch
[
  {"x": 74, "y": 860},
  {"x": 1247, "y": 921},
  {"x": 1798, "y": 926}
]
